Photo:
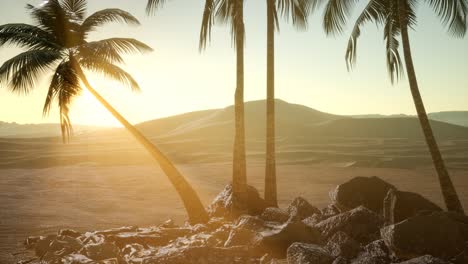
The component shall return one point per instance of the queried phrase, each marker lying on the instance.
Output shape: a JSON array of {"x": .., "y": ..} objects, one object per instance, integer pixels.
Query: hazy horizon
[{"x": 312, "y": 73}]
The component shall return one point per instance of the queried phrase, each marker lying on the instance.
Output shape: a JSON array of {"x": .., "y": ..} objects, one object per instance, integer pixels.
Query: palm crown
[
  {"x": 385, "y": 12},
  {"x": 58, "y": 41}
]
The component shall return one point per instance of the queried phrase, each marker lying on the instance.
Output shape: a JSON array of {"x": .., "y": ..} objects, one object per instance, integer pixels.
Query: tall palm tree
[
  {"x": 231, "y": 12},
  {"x": 397, "y": 16},
  {"x": 298, "y": 11},
  {"x": 58, "y": 41}
]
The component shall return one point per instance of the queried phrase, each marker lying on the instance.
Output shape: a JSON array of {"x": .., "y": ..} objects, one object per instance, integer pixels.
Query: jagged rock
[
  {"x": 76, "y": 259},
  {"x": 340, "y": 260},
  {"x": 340, "y": 244},
  {"x": 69, "y": 232},
  {"x": 361, "y": 224},
  {"x": 274, "y": 214},
  {"x": 251, "y": 222},
  {"x": 114, "y": 231},
  {"x": 427, "y": 259},
  {"x": 301, "y": 253},
  {"x": 300, "y": 209},
  {"x": 222, "y": 204},
  {"x": 100, "y": 251},
  {"x": 329, "y": 211},
  {"x": 314, "y": 219},
  {"x": 278, "y": 239},
  {"x": 366, "y": 191},
  {"x": 399, "y": 206},
  {"x": 374, "y": 253},
  {"x": 31, "y": 241},
  {"x": 169, "y": 223},
  {"x": 42, "y": 245},
  {"x": 432, "y": 233},
  {"x": 60, "y": 247},
  {"x": 202, "y": 255},
  {"x": 242, "y": 236},
  {"x": 123, "y": 239}
]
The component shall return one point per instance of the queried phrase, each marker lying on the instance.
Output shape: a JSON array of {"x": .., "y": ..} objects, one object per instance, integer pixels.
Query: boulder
[
  {"x": 69, "y": 232},
  {"x": 399, "y": 206},
  {"x": 273, "y": 214},
  {"x": 432, "y": 233},
  {"x": 361, "y": 224},
  {"x": 340, "y": 244},
  {"x": 314, "y": 219},
  {"x": 300, "y": 209},
  {"x": 329, "y": 211},
  {"x": 277, "y": 240},
  {"x": 100, "y": 251},
  {"x": 366, "y": 191},
  {"x": 241, "y": 236},
  {"x": 373, "y": 253},
  {"x": 222, "y": 204},
  {"x": 427, "y": 259},
  {"x": 61, "y": 246},
  {"x": 340, "y": 260},
  {"x": 76, "y": 259},
  {"x": 41, "y": 245},
  {"x": 301, "y": 253},
  {"x": 251, "y": 222},
  {"x": 123, "y": 239}
]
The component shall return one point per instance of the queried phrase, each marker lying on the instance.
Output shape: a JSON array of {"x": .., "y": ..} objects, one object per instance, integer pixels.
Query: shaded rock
[
  {"x": 340, "y": 244},
  {"x": 123, "y": 239},
  {"x": 274, "y": 214},
  {"x": 278, "y": 239},
  {"x": 301, "y": 253},
  {"x": 399, "y": 206},
  {"x": 340, "y": 260},
  {"x": 42, "y": 245},
  {"x": 361, "y": 224},
  {"x": 329, "y": 211},
  {"x": 314, "y": 219},
  {"x": 60, "y": 247},
  {"x": 76, "y": 259},
  {"x": 202, "y": 255},
  {"x": 69, "y": 232},
  {"x": 251, "y": 222},
  {"x": 427, "y": 259},
  {"x": 242, "y": 236},
  {"x": 433, "y": 233},
  {"x": 300, "y": 209},
  {"x": 374, "y": 253},
  {"x": 169, "y": 223},
  {"x": 100, "y": 251},
  {"x": 222, "y": 204},
  {"x": 31, "y": 241},
  {"x": 115, "y": 231},
  {"x": 366, "y": 191}
]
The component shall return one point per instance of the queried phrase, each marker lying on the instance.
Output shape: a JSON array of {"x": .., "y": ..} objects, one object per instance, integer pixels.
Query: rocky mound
[{"x": 368, "y": 222}]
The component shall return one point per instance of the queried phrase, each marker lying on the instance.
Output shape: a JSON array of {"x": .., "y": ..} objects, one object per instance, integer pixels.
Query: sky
[{"x": 310, "y": 67}]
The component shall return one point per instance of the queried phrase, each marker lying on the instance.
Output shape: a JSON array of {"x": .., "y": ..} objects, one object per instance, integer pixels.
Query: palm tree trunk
[
  {"x": 448, "y": 190},
  {"x": 270, "y": 166},
  {"x": 195, "y": 209},
  {"x": 239, "y": 177}
]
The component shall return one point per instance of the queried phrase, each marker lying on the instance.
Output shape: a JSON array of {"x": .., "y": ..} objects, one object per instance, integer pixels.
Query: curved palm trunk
[
  {"x": 195, "y": 209},
  {"x": 239, "y": 177},
  {"x": 448, "y": 190},
  {"x": 270, "y": 166}
]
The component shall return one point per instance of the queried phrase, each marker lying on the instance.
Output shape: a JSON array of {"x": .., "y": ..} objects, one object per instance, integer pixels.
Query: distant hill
[
  {"x": 459, "y": 118},
  {"x": 14, "y": 130}
]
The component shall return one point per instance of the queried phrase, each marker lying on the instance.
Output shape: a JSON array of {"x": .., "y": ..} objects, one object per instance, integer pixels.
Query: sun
[{"x": 88, "y": 111}]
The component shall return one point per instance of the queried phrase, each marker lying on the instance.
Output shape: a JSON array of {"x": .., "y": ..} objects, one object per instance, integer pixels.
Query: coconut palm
[
  {"x": 231, "y": 12},
  {"x": 397, "y": 16},
  {"x": 57, "y": 42},
  {"x": 297, "y": 11}
]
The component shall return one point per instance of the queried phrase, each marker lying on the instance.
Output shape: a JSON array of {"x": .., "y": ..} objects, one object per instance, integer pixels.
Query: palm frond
[
  {"x": 336, "y": 15},
  {"x": 65, "y": 85},
  {"x": 22, "y": 71},
  {"x": 106, "y": 16},
  {"x": 27, "y": 36},
  {"x": 231, "y": 12},
  {"x": 111, "y": 49},
  {"x": 154, "y": 5},
  {"x": 391, "y": 33},
  {"x": 375, "y": 12},
  {"x": 75, "y": 7},
  {"x": 297, "y": 10},
  {"x": 453, "y": 14},
  {"x": 207, "y": 23},
  {"x": 111, "y": 71}
]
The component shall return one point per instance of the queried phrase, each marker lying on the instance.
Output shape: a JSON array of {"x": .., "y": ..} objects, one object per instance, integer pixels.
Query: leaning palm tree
[
  {"x": 397, "y": 16},
  {"x": 231, "y": 12},
  {"x": 58, "y": 41},
  {"x": 297, "y": 11}
]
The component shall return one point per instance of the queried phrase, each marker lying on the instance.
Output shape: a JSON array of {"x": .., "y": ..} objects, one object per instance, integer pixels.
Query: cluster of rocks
[{"x": 368, "y": 222}]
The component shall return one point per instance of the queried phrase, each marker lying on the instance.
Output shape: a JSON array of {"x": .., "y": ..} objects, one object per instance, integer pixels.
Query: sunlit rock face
[{"x": 298, "y": 234}]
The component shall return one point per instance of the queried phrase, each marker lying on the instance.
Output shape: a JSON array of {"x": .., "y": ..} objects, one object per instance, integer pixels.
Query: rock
[
  {"x": 374, "y": 253},
  {"x": 69, "y": 232},
  {"x": 340, "y": 260},
  {"x": 301, "y": 253},
  {"x": 399, "y": 206},
  {"x": 361, "y": 224},
  {"x": 300, "y": 209},
  {"x": 123, "y": 239},
  {"x": 314, "y": 219},
  {"x": 100, "y": 251},
  {"x": 366, "y": 191},
  {"x": 340, "y": 244},
  {"x": 61, "y": 246},
  {"x": 42, "y": 245},
  {"x": 433, "y": 233},
  {"x": 329, "y": 211},
  {"x": 427, "y": 259},
  {"x": 251, "y": 222},
  {"x": 222, "y": 204},
  {"x": 168, "y": 224},
  {"x": 76, "y": 259},
  {"x": 274, "y": 214},
  {"x": 115, "y": 231},
  {"x": 31, "y": 241},
  {"x": 277, "y": 240},
  {"x": 202, "y": 255},
  {"x": 241, "y": 236}
]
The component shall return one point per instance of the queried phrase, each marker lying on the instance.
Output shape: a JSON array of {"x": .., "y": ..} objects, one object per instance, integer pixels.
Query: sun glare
[{"x": 89, "y": 111}]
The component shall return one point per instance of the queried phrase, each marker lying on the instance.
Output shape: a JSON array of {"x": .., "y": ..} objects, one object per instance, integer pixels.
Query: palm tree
[
  {"x": 298, "y": 11},
  {"x": 58, "y": 42},
  {"x": 397, "y": 16},
  {"x": 231, "y": 12}
]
